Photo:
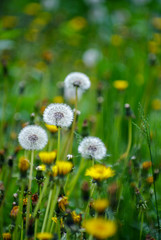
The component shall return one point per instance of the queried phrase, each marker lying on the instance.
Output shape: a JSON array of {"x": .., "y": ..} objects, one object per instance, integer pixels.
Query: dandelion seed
[
  {"x": 57, "y": 114},
  {"x": 77, "y": 79},
  {"x": 92, "y": 147},
  {"x": 32, "y": 137}
]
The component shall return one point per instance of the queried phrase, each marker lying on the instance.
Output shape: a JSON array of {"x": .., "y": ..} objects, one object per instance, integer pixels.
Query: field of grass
[{"x": 59, "y": 191}]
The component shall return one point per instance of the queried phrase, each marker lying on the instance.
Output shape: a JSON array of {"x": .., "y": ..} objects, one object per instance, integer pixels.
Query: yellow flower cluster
[
  {"x": 47, "y": 157},
  {"x": 62, "y": 168},
  {"x": 62, "y": 202},
  {"x": 99, "y": 172},
  {"x": 100, "y": 228},
  {"x": 146, "y": 165},
  {"x": 6, "y": 236},
  {"x": 76, "y": 217}
]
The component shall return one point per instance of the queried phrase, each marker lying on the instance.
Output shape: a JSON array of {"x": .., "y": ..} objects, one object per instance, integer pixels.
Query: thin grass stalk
[
  {"x": 141, "y": 227},
  {"x": 29, "y": 189},
  {"x": 36, "y": 227},
  {"x": 47, "y": 211}
]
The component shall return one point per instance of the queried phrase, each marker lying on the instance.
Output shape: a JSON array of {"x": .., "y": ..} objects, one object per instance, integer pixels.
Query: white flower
[
  {"x": 91, "y": 57},
  {"x": 70, "y": 93},
  {"x": 77, "y": 79},
  {"x": 92, "y": 147},
  {"x": 58, "y": 114},
  {"x": 33, "y": 137}
]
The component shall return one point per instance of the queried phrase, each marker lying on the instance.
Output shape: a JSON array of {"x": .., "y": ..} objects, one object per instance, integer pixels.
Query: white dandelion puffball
[
  {"x": 58, "y": 114},
  {"x": 33, "y": 137},
  {"x": 77, "y": 79},
  {"x": 92, "y": 147},
  {"x": 70, "y": 94}
]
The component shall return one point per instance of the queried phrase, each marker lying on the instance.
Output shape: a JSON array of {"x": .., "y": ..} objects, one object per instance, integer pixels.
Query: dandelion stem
[
  {"x": 141, "y": 227},
  {"x": 47, "y": 211},
  {"x": 41, "y": 196},
  {"x": 29, "y": 189},
  {"x": 58, "y": 147},
  {"x": 35, "y": 230}
]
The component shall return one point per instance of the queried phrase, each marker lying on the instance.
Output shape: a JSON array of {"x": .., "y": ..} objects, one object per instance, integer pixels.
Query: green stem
[
  {"x": 141, "y": 227},
  {"x": 29, "y": 189},
  {"x": 58, "y": 147},
  {"x": 47, "y": 211},
  {"x": 22, "y": 230},
  {"x": 129, "y": 137},
  {"x": 91, "y": 194},
  {"x": 55, "y": 194},
  {"x": 36, "y": 226},
  {"x": 41, "y": 196}
]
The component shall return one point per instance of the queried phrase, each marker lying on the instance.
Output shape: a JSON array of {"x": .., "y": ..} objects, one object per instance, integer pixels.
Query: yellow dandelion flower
[
  {"x": 51, "y": 128},
  {"x": 157, "y": 22},
  {"x": 120, "y": 84},
  {"x": 58, "y": 99},
  {"x": 32, "y": 8},
  {"x": 44, "y": 236},
  {"x": 54, "y": 219},
  {"x": 47, "y": 56},
  {"x": 100, "y": 228},
  {"x": 116, "y": 40},
  {"x": 24, "y": 201},
  {"x": 47, "y": 157},
  {"x": 41, "y": 167},
  {"x": 77, "y": 23},
  {"x": 14, "y": 211},
  {"x": 157, "y": 38},
  {"x": 62, "y": 202},
  {"x": 100, "y": 205},
  {"x": 153, "y": 47},
  {"x": 156, "y": 104},
  {"x": 99, "y": 172},
  {"x": 150, "y": 180},
  {"x": 9, "y": 22},
  {"x": 146, "y": 165},
  {"x": 6, "y": 236},
  {"x": 23, "y": 164},
  {"x": 76, "y": 217},
  {"x": 62, "y": 168}
]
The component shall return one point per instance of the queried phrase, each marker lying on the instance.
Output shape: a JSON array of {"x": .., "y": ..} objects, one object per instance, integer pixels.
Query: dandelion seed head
[
  {"x": 92, "y": 147},
  {"x": 58, "y": 114},
  {"x": 33, "y": 137},
  {"x": 77, "y": 79}
]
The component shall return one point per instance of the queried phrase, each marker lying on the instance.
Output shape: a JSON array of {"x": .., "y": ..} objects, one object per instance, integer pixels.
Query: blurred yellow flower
[
  {"x": 23, "y": 164},
  {"x": 100, "y": 205},
  {"x": 62, "y": 202},
  {"x": 44, "y": 236},
  {"x": 25, "y": 201},
  {"x": 150, "y": 180},
  {"x": 157, "y": 22},
  {"x": 51, "y": 128},
  {"x": 47, "y": 157},
  {"x": 100, "y": 228},
  {"x": 100, "y": 172},
  {"x": 153, "y": 47},
  {"x": 14, "y": 211},
  {"x": 41, "y": 66},
  {"x": 156, "y": 104},
  {"x": 54, "y": 219},
  {"x": 32, "y": 8},
  {"x": 6, "y": 236},
  {"x": 146, "y": 165},
  {"x": 9, "y": 22},
  {"x": 41, "y": 167},
  {"x": 62, "y": 168},
  {"x": 120, "y": 84},
  {"x": 32, "y": 35},
  {"x": 78, "y": 23},
  {"x": 58, "y": 99},
  {"x": 76, "y": 217},
  {"x": 116, "y": 40},
  {"x": 157, "y": 38}
]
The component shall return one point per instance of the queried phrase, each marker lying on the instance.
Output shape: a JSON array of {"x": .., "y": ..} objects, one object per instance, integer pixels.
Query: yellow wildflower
[
  {"x": 58, "y": 99},
  {"x": 150, "y": 180},
  {"x": 100, "y": 228},
  {"x": 9, "y": 22},
  {"x": 24, "y": 201},
  {"x": 51, "y": 128},
  {"x": 44, "y": 236},
  {"x": 47, "y": 157},
  {"x": 146, "y": 165},
  {"x": 153, "y": 47},
  {"x": 41, "y": 167},
  {"x": 120, "y": 84},
  {"x": 47, "y": 56},
  {"x": 62, "y": 168},
  {"x": 32, "y": 8},
  {"x": 6, "y": 236},
  {"x": 116, "y": 40},
  {"x": 62, "y": 202},
  {"x": 54, "y": 219},
  {"x": 156, "y": 104},
  {"x": 157, "y": 22},
  {"x": 14, "y": 211},
  {"x": 76, "y": 217},
  {"x": 23, "y": 164},
  {"x": 100, "y": 205},
  {"x": 78, "y": 23},
  {"x": 100, "y": 172}
]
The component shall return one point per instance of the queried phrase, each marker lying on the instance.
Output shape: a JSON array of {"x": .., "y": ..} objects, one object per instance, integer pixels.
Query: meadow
[{"x": 80, "y": 119}]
